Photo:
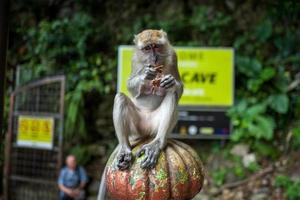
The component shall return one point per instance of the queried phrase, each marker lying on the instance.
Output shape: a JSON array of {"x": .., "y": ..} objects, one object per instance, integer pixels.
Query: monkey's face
[{"x": 152, "y": 46}]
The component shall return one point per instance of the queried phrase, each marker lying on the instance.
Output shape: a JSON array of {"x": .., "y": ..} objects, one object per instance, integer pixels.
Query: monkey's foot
[
  {"x": 151, "y": 151},
  {"x": 124, "y": 159}
]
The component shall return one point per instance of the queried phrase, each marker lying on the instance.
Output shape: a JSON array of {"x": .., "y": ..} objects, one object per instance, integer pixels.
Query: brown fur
[{"x": 150, "y": 36}]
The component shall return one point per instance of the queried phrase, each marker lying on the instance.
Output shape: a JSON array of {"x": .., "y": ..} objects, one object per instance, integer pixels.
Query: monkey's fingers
[
  {"x": 141, "y": 151},
  {"x": 150, "y": 73},
  {"x": 148, "y": 156},
  {"x": 123, "y": 166},
  {"x": 166, "y": 78},
  {"x": 167, "y": 81},
  {"x": 151, "y": 162},
  {"x": 155, "y": 157},
  {"x": 151, "y": 159},
  {"x": 150, "y": 70},
  {"x": 169, "y": 85}
]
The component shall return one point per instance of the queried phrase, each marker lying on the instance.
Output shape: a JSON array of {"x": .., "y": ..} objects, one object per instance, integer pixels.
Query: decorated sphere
[{"x": 178, "y": 175}]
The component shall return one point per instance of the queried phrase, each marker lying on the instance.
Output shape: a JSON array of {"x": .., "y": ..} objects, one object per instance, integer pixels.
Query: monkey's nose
[{"x": 154, "y": 59}]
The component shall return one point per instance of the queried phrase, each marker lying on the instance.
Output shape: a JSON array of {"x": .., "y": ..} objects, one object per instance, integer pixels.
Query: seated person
[{"x": 72, "y": 180}]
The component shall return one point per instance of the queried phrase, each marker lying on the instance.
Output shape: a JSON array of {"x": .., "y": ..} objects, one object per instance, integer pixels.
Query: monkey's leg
[
  {"x": 124, "y": 117},
  {"x": 166, "y": 121}
]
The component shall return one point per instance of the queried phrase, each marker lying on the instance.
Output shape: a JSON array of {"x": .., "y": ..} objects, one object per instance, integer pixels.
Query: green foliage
[
  {"x": 250, "y": 121},
  {"x": 254, "y": 167},
  {"x": 266, "y": 148},
  {"x": 292, "y": 188},
  {"x": 62, "y": 46},
  {"x": 238, "y": 169},
  {"x": 219, "y": 176},
  {"x": 228, "y": 167},
  {"x": 279, "y": 103},
  {"x": 263, "y": 100},
  {"x": 80, "y": 39},
  {"x": 296, "y": 137},
  {"x": 82, "y": 154},
  {"x": 282, "y": 181}
]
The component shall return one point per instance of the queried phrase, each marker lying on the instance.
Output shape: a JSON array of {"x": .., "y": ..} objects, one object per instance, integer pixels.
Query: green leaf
[
  {"x": 282, "y": 181},
  {"x": 265, "y": 127},
  {"x": 248, "y": 66},
  {"x": 219, "y": 176},
  {"x": 237, "y": 134},
  {"x": 267, "y": 73},
  {"x": 241, "y": 106},
  {"x": 254, "y": 84},
  {"x": 293, "y": 191},
  {"x": 265, "y": 148},
  {"x": 296, "y": 137},
  {"x": 279, "y": 103},
  {"x": 264, "y": 30},
  {"x": 256, "y": 109}
]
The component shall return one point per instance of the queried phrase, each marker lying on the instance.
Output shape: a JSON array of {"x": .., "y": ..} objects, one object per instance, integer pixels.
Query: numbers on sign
[
  {"x": 35, "y": 125},
  {"x": 23, "y": 126},
  {"x": 45, "y": 128}
]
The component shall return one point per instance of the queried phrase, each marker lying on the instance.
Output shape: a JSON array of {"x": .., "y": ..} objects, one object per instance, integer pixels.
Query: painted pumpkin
[{"x": 178, "y": 175}]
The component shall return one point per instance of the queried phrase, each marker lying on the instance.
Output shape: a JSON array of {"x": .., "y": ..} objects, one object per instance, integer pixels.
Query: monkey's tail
[{"x": 102, "y": 187}]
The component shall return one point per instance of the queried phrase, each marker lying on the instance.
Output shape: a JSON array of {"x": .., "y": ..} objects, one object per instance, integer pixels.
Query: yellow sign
[
  {"x": 207, "y": 74},
  {"x": 35, "y": 132}
]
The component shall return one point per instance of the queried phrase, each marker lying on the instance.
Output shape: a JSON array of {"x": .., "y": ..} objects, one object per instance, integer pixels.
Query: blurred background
[{"x": 79, "y": 39}]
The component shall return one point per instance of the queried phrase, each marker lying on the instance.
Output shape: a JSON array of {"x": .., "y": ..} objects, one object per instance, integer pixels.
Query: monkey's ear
[
  {"x": 135, "y": 39},
  {"x": 163, "y": 33},
  {"x": 137, "y": 42}
]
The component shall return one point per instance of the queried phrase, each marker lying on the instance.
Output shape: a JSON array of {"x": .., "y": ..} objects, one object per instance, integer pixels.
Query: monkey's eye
[
  {"x": 157, "y": 46},
  {"x": 146, "y": 48}
]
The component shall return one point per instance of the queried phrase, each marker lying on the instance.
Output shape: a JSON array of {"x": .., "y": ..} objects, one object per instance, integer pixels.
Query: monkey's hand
[
  {"x": 168, "y": 82},
  {"x": 151, "y": 152},
  {"x": 124, "y": 158},
  {"x": 150, "y": 72}
]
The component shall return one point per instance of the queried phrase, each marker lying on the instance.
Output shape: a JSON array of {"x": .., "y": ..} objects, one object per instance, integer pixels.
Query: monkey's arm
[
  {"x": 172, "y": 81},
  {"x": 140, "y": 82},
  {"x": 134, "y": 84},
  {"x": 178, "y": 89}
]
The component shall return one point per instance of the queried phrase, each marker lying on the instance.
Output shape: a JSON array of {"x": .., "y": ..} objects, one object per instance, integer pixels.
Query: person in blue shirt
[{"x": 72, "y": 180}]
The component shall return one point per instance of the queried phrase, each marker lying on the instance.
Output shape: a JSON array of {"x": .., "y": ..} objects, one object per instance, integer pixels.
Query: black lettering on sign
[
  {"x": 204, "y": 77},
  {"x": 213, "y": 78},
  {"x": 184, "y": 77},
  {"x": 190, "y": 56},
  {"x": 195, "y": 78}
]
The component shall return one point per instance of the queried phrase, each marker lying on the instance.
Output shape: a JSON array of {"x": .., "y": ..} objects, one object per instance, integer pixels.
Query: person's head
[{"x": 71, "y": 162}]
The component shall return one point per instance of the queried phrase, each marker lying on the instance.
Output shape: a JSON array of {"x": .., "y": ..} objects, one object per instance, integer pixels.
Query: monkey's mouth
[{"x": 156, "y": 60}]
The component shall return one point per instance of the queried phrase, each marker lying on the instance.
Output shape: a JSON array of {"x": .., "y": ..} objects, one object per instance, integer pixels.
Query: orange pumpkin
[{"x": 178, "y": 175}]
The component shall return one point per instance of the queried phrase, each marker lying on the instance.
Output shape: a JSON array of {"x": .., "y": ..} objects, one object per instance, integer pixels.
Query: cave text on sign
[{"x": 207, "y": 74}]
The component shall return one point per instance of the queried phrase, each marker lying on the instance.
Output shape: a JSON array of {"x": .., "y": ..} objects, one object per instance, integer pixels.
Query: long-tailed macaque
[{"x": 150, "y": 112}]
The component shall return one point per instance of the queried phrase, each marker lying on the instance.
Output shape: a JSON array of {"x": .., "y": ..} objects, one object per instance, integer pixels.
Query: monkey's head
[{"x": 152, "y": 46}]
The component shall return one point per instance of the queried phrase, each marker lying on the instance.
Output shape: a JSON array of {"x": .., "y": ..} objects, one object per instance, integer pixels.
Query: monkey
[
  {"x": 147, "y": 114},
  {"x": 155, "y": 87}
]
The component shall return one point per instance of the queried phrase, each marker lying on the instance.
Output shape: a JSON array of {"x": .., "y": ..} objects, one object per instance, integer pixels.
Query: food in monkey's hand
[{"x": 156, "y": 81}]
